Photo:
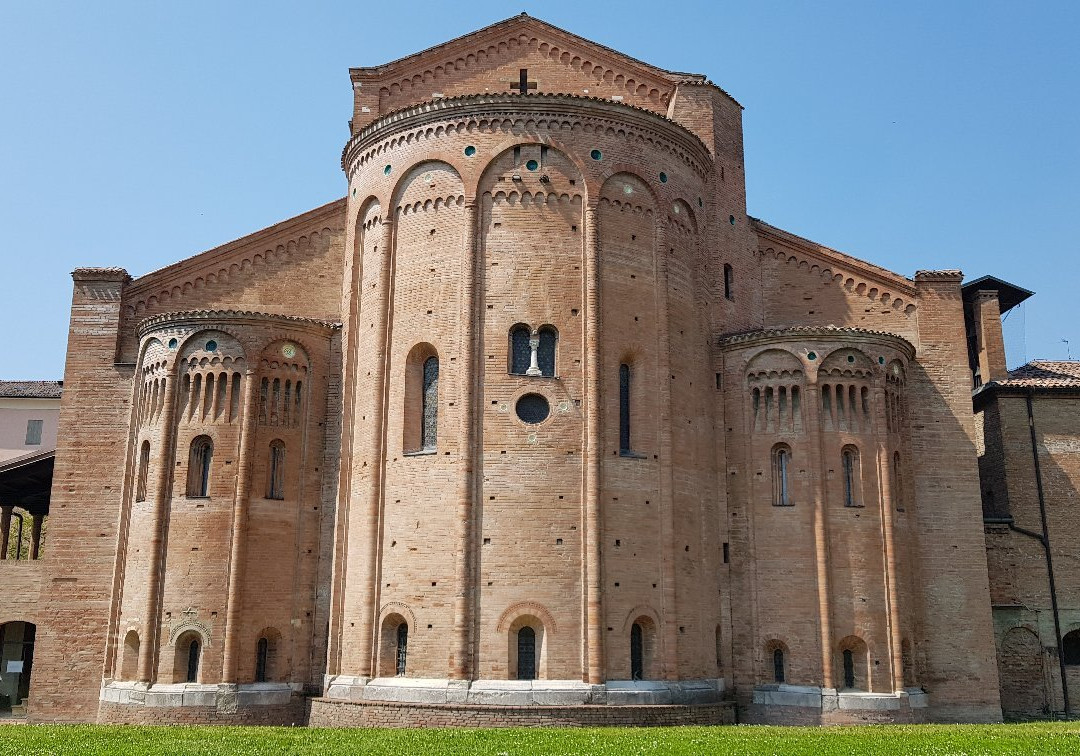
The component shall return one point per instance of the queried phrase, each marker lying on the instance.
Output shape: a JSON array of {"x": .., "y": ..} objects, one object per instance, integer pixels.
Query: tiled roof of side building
[
  {"x": 31, "y": 389},
  {"x": 1044, "y": 374}
]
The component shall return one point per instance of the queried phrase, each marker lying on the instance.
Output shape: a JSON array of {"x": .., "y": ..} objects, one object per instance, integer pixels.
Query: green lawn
[{"x": 1040, "y": 738}]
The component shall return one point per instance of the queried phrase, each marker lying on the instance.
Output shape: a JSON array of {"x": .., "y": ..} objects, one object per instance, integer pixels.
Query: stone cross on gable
[{"x": 523, "y": 85}]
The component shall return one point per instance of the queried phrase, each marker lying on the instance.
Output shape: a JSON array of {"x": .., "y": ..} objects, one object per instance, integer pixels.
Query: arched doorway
[{"x": 16, "y": 662}]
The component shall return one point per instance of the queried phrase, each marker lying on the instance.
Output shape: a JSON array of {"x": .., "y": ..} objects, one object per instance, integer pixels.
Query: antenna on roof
[{"x": 1068, "y": 349}]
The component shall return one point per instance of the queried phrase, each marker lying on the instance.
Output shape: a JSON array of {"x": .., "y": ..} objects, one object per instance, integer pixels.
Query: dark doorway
[
  {"x": 402, "y": 648},
  {"x": 526, "y": 654},
  {"x": 637, "y": 653},
  {"x": 16, "y": 662}
]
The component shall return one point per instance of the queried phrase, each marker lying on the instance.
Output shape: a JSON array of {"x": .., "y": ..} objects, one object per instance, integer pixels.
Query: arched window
[
  {"x": 624, "y": 408},
  {"x": 781, "y": 473},
  {"x": 637, "y": 652},
  {"x": 1070, "y": 648},
  {"x": 275, "y": 471},
  {"x": 144, "y": 467},
  {"x": 855, "y": 660},
  {"x": 430, "y": 412},
  {"x": 402, "y": 649},
  {"x": 520, "y": 350},
  {"x": 129, "y": 662},
  {"x": 778, "y": 665},
  {"x": 192, "y": 661},
  {"x": 849, "y": 668},
  {"x": 526, "y": 653},
  {"x": 729, "y": 282},
  {"x": 202, "y": 452},
  {"x": 262, "y": 651},
  {"x": 852, "y": 477},
  {"x": 545, "y": 351}
]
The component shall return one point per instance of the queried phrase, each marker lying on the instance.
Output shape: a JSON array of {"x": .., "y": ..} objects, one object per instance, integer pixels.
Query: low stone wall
[
  {"x": 325, "y": 712},
  {"x": 292, "y": 713}
]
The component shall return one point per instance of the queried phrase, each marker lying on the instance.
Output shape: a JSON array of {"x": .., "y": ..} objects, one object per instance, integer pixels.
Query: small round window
[
  {"x": 532, "y": 165},
  {"x": 211, "y": 345},
  {"x": 172, "y": 343},
  {"x": 596, "y": 155},
  {"x": 532, "y": 409},
  {"x": 470, "y": 151}
]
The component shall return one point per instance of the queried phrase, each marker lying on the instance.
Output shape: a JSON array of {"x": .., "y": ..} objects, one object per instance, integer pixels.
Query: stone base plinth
[{"x": 325, "y": 712}]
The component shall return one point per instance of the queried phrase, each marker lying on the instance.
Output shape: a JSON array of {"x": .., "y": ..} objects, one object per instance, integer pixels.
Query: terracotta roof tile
[
  {"x": 1044, "y": 374},
  {"x": 31, "y": 389}
]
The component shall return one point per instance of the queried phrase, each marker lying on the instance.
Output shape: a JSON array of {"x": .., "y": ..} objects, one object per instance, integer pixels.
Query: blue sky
[{"x": 914, "y": 135}]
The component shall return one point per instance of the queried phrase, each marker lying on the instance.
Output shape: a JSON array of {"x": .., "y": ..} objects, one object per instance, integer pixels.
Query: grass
[{"x": 1034, "y": 738}]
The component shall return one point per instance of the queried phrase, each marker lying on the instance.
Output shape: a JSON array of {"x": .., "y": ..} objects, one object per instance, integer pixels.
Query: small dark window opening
[
  {"x": 545, "y": 352},
  {"x": 520, "y": 351},
  {"x": 526, "y": 656},
  {"x": 849, "y": 668},
  {"x": 727, "y": 554},
  {"x": 33, "y": 432},
  {"x": 778, "y": 665},
  {"x": 202, "y": 452},
  {"x": 1070, "y": 648},
  {"x": 261, "y": 652},
  {"x": 193, "y": 662},
  {"x": 850, "y": 461},
  {"x": 729, "y": 282},
  {"x": 430, "y": 411},
  {"x": 624, "y": 408},
  {"x": 144, "y": 467},
  {"x": 275, "y": 479},
  {"x": 637, "y": 652},
  {"x": 402, "y": 649},
  {"x": 781, "y": 482}
]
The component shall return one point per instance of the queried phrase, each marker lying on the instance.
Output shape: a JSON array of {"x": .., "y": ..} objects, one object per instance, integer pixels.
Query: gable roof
[
  {"x": 513, "y": 27},
  {"x": 521, "y": 21}
]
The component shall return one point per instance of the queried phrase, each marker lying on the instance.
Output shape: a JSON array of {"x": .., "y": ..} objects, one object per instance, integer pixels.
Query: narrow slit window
[
  {"x": 781, "y": 476},
  {"x": 430, "y": 408},
  {"x": 144, "y": 466},
  {"x": 202, "y": 452},
  {"x": 778, "y": 665},
  {"x": 729, "y": 282},
  {"x": 275, "y": 474},
  {"x": 850, "y": 462},
  {"x": 624, "y": 408}
]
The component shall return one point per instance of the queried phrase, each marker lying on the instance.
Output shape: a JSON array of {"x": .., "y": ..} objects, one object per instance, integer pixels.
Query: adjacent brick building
[{"x": 536, "y": 425}]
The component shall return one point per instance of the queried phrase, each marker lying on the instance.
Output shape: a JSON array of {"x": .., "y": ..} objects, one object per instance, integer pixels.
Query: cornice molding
[
  {"x": 532, "y": 106},
  {"x": 232, "y": 317},
  {"x": 816, "y": 334}
]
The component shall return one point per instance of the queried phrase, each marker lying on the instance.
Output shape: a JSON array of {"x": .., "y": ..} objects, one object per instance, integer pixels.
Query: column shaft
[
  {"x": 35, "y": 535},
  {"x": 163, "y": 463},
  {"x": 369, "y": 528},
  {"x": 238, "y": 549},
  {"x": 668, "y": 610},
  {"x": 888, "y": 508},
  {"x": 5, "y": 530},
  {"x": 593, "y": 443},
  {"x": 461, "y": 662},
  {"x": 821, "y": 535}
]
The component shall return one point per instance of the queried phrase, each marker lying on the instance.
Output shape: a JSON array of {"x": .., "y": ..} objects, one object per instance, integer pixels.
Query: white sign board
[{"x": 14, "y": 666}]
